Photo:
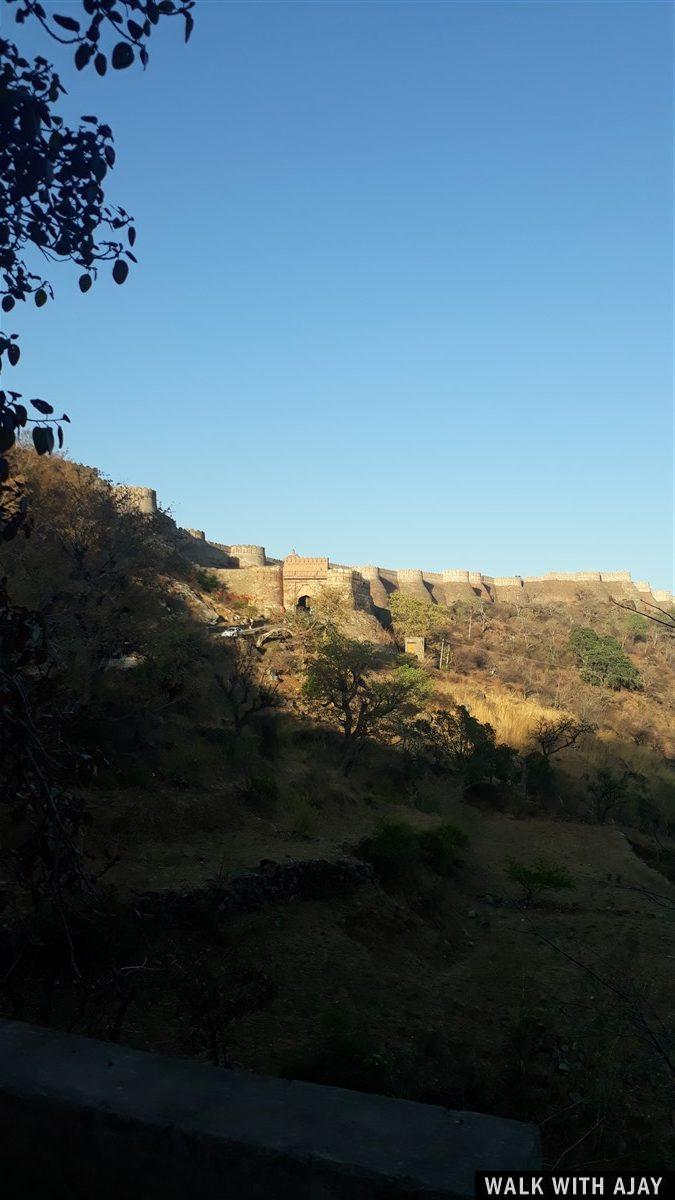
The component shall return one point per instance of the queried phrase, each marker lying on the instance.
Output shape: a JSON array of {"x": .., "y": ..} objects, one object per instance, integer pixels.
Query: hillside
[{"x": 257, "y": 881}]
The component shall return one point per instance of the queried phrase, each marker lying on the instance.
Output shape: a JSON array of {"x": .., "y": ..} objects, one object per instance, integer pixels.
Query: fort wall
[
  {"x": 275, "y": 583},
  {"x": 262, "y": 584},
  {"x": 377, "y": 589},
  {"x": 411, "y": 581}
]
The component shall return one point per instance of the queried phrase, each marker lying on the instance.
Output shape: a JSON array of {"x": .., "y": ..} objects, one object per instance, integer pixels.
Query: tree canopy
[
  {"x": 413, "y": 617},
  {"x": 359, "y": 686},
  {"x": 602, "y": 661},
  {"x": 53, "y": 206}
]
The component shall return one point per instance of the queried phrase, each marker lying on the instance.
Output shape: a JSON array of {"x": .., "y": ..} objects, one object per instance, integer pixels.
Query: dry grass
[{"x": 513, "y": 720}]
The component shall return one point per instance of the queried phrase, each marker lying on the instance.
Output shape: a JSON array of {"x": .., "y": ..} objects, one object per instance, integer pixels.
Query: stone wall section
[
  {"x": 83, "y": 1119},
  {"x": 263, "y": 585},
  {"x": 411, "y": 581}
]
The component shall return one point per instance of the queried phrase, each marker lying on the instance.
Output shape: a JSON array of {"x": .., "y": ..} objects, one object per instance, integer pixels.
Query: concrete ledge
[{"x": 81, "y": 1119}]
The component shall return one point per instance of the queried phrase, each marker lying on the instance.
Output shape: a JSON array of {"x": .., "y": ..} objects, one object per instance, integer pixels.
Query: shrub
[
  {"x": 345, "y": 1053},
  {"x": 602, "y": 661},
  {"x": 542, "y": 875},
  {"x": 261, "y": 793},
  {"x": 440, "y": 847},
  {"x": 206, "y": 581},
  {"x": 540, "y": 775},
  {"x": 396, "y": 848},
  {"x": 393, "y": 849}
]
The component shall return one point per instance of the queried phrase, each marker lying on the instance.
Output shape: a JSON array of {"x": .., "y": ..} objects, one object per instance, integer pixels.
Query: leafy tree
[
  {"x": 347, "y": 680},
  {"x": 52, "y": 199},
  {"x": 611, "y": 793},
  {"x": 602, "y": 661},
  {"x": 413, "y": 617},
  {"x": 636, "y": 626},
  {"x": 52, "y": 204},
  {"x": 456, "y": 741},
  {"x": 542, "y": 875}
]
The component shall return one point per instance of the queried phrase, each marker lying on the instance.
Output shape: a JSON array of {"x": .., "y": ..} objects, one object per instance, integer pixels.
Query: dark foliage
[
  {"x": 52, "y": 199},
  {"x": 602, "y": 661},
  {"x": 52, "y": 184},
  {"x": 45, "y": 856},
  {"x": 126, "y": 24},
  {"x": 456, "y": 741},
  {"x": 396, "y": 848}
]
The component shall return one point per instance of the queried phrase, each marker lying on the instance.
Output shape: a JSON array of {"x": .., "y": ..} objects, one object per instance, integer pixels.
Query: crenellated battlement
[
  {"x": 140, "y": 499},
  {"x": 248, "y": 556},
  {"x": 296, "y": 580}
]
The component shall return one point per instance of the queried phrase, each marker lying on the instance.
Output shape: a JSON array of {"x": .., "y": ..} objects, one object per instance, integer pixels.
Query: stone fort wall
[{"x": 279, "y": 584}]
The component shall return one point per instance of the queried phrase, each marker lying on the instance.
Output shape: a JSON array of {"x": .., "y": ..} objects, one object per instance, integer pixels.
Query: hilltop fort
[{"x": 294, "y": 581}]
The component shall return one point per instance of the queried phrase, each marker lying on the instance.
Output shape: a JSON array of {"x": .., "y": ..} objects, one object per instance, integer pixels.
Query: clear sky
[{"x": 405, "y": 283}]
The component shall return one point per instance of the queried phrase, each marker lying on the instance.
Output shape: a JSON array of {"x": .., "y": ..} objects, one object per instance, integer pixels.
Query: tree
[
  {"x": 636, "y": 626},
  {"x": 456, "y": 741},
  {"x": 346, "y": 679},
  {"x": 476, "y": 609},
  {"x": 602, "y": 661},
  {"x": 542, "y": 875},
  {"x": 609, "y": 791},
  {"x": 52, "y": 204},
  {"x": 243, "y": 685},
  {"x": 52, "y": 201},
  {"x": 665, "y": 618},
  {"x": 413, "y": 617},
  {"x": 559, "y": 733}
]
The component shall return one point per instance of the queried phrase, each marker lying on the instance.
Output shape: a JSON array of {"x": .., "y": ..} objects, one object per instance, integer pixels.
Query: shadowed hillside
[{"x": 297, "y": 850}]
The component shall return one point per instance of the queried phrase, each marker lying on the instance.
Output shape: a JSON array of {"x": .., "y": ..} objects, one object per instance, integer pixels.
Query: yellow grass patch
[{"x": 513, "y": 720}]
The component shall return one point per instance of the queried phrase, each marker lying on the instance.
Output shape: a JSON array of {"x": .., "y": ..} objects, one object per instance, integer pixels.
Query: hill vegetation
[{"x": 312, "y": 856}]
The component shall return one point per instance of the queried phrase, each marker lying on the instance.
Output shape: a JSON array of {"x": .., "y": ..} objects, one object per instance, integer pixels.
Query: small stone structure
[
  {"x": 83, "y": 1119},
  {"x": 416, "y": 646}
]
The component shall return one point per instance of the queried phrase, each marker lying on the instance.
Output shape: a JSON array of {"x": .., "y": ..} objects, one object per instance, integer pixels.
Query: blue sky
[{"x": 405, "y": 283}]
